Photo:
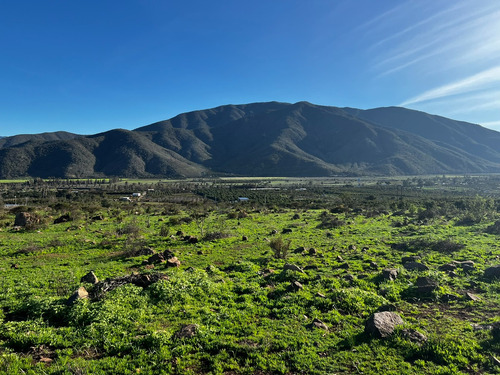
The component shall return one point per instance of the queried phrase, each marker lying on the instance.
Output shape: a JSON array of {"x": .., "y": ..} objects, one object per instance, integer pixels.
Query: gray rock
[
  {"x": 316, "y": 323},
  {"x": 411, "y": 258},
  {"x": 382, "y": 324},
  {"x": 296, "y": 286},
  {"x": 173, "y": 262},
  {"x": 292, "y": 267},
  {"x": 90, "y": 278},
  {"x": 390, "y": 274},
  {"x": 156, "y": 258},
  {"x": 412, "y": 266},
  {"x": 81, "y": 293},
  {"x": 492, "y": 272},
  {"x": 413, "y": 335},
  {"x": 426, "y": 285},
  {"x": 472, "y": 297},
  {"x": 448, "y": 267}
]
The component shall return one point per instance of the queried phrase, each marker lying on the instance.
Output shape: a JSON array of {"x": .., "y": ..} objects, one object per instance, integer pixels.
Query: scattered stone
[
  {"x": 382, "y": 324},
  {"x": 316, "y": 323},
  {"x": 90, "y": 278},
  {"x": 156, "y": 258},
  {"x": 274, "y": 231},
  {"x": 296, "y": 217},
  {"x": 187, "y": 331},
  {"x": 179, "y": 233},
  {"x": 63, "y": 219},
  {"x": 286, "y": 230},
  {"x": 365, "y": 248},
  {"x": 192, "y": 240},
  {"x": 349, "y": 277},
  {"x": 492, "y": 272},
  {"x": 412, "y": 266},
  {"x": 173, "y": 262},
  {"x": 97, "y": 218},
  {"x": 296, "y": 286},
  {"x": 321, "y": 295},
  {"x": 413, "y": 335},
  {"x": 390, "y": 274},
  {"x": 199, "y": 252},
  {"x": 351, "y": 247},
  {"x": 81, "y": 293},
  {"x": 312, "y": 251},
  {"x": 244, "y": 238},
  {"x": 448, "y": 267},
  {"x": 466, "y": 265},
  {"x": 472, "y": 297},
  {"x": 411, "y": 258},
  {"x": 452, "y": 274},
  {"x": 426, "y": 285},
  {"x": 45, "y": 360},
  {"x": 299, "y": 250},
  {"x": 339, "y": 258},
  {"x": 373, "y": 265},
  {"x": 292, "y": 267},
  {"x": 344, "y": 266},
  {"x": 14, "y": 266}
]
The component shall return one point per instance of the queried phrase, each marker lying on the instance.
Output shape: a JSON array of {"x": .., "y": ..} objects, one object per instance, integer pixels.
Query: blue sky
[{"x": 90, "y": 66}]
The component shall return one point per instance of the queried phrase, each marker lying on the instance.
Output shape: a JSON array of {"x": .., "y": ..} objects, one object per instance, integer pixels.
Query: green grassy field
[{"x": 235, "y": 290}]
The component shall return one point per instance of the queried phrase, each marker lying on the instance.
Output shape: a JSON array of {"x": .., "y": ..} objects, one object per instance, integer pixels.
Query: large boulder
[
  {"x": 81, "y": 293},
  {"x": 492, "y": 272},
  {"x": 382, "y": 324}
]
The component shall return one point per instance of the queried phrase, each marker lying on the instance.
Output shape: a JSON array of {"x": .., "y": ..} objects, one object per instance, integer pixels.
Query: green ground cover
[{"x": 234, "y": 288}]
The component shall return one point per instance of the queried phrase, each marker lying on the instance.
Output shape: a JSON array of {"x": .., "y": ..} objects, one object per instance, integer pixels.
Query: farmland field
[{"x": 186, "y": 279}]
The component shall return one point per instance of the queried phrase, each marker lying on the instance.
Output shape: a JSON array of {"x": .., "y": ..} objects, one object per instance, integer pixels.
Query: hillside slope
[{"x": 263, "y": 139}]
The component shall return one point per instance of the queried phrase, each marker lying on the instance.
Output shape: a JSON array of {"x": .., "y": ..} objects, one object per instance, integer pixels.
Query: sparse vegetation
[{"x": 239, "y": 299}]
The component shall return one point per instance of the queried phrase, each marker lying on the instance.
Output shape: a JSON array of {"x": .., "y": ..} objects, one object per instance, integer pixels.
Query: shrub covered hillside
[{"x": 303, "y": 278}]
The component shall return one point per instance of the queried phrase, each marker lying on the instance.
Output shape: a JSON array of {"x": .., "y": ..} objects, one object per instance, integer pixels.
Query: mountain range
[{"x": 262, "y": 139}]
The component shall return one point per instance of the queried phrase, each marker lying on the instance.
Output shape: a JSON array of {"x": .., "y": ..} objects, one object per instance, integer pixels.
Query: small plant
[{"x": 280, "y": 247}]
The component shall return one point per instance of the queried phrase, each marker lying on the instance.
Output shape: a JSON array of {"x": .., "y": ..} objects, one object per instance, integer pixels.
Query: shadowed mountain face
[{"x": 263, "y": 139}]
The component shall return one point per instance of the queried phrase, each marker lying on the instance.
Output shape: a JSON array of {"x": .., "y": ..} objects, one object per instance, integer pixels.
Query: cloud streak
[{"x": 486, "y": 78}]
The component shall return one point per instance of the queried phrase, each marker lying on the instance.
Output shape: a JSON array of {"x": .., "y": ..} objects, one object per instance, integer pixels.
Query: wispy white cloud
[
  {"x": 472, "y": 34},
  {"x": 486, "y": 78}
]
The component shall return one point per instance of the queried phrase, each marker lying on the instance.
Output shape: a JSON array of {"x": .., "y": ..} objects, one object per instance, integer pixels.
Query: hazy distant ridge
[{"x": 263, "y": 139}]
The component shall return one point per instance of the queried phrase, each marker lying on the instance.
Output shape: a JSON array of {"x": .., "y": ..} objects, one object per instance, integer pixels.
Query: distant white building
[
  {"x": 243, "y": 199},
  {"x": 126, "y": 199},
  {"x": 136, "y": 195}
]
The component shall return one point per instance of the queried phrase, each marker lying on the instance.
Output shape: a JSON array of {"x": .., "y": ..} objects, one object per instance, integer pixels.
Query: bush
[{"x": 280, "y": 248}]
